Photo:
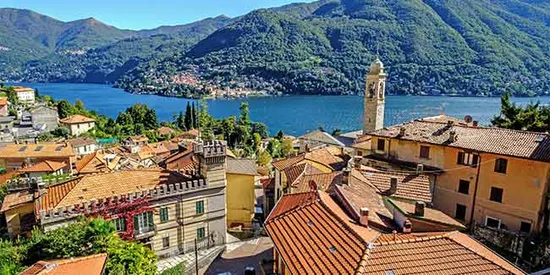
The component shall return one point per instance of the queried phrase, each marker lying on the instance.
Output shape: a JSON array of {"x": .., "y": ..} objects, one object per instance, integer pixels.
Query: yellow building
[
  {"x": 241, "y": 176},
  {"x": 490, "y": 176}
]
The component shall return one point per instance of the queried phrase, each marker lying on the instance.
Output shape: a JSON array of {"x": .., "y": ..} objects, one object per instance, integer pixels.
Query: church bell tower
[{"x": 375, "y": 97}]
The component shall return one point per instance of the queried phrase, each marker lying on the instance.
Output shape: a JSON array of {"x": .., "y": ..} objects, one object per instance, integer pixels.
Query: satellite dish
[{"x": 468, "y": 119}]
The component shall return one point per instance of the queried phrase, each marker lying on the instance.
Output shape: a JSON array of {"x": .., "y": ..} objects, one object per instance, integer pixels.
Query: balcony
[{"x": 144, "y": 232}]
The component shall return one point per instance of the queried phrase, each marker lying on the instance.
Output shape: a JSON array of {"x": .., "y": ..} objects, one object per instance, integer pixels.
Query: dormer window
[{"x": 467, "y": 158}]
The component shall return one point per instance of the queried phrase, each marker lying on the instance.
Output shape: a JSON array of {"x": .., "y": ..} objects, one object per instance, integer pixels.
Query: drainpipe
[{"x": 475, "y": 194}]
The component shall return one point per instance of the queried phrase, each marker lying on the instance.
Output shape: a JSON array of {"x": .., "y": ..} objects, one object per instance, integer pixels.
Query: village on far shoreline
[{"x": 434, "y": 195}]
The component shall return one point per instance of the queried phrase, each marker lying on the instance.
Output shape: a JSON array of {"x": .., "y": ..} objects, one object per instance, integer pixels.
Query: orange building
[
  {"x": 16, "y": 156},
  {"x": 489, "y": 176}
]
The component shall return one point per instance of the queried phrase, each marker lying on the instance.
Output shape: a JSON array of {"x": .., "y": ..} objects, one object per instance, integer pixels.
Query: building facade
[
  {"x": 16, "y": 156},
  {"x": 45, "y": 118},
  {"x": 78, "y": 124},
  {"x": 3, "y": 106},
  {"x": 25, "y": 95},
  {"x": 165, "y": 210},
  {"x": 494, "y": 177}
]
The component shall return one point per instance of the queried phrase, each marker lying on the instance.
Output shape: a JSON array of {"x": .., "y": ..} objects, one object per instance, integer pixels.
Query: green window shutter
[
  {"x": 136, "y": 222},
  {"x": 123, "y": 224},
  {"x": 164, "y": 214},
  {"x": 150, "y": 218}
]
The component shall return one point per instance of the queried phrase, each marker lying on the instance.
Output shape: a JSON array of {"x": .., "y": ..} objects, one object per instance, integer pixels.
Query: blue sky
[{"x": 142, "y": 14}]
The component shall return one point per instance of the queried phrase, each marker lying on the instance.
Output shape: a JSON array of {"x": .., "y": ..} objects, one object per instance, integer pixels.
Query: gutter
[{"x": 475, "y": 193}]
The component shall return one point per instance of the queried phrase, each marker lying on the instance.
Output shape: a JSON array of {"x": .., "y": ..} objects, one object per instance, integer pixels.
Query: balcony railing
[{"x": 144, "y": 232}]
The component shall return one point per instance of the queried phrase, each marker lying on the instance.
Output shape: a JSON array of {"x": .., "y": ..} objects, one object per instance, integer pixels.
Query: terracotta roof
[
  {"x": 288, "y": 162},
  {"x": 314, "y": 235},
  {"x": 268, "y": 183},
  {"x": 430, "y": 214},
  {"x": 12, "y": 200},
  {"x": 96, "y": 163},
  {"x": 76, "y": 142},
  {"x": 140, "y": 138},
  {"x": 451, "y": 253},
  {"x": 409, "y": 186},
  {"x": 105, "y": 185},
  {"x": 33, "y": 150},
  {"x": 3, "y": 101},
  {"x": 19, "y": 89},
  {"x": 323, "y": 181},
  {"x": 360, "y": 193},
  {"x": 88, "y": 265},
  {"x": 523, "y": 144},
  {"x": 76, "y": 119},
  {"x": 165, "y": 131},
  {"x": 242, "y": 167},
  {"x": 44, "y": 166},
  {"x": 312, "y": 239}
]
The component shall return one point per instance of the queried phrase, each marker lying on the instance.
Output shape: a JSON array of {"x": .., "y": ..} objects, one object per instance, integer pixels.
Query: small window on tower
[{"x": 381, "y": 145}]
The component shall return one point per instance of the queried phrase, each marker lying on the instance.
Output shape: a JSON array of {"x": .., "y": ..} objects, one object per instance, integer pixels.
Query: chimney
[
  {"x": 401, "y": 131},
  {"x": 452, "y": 136},
  {"x": 419, "y": 168},
  {"x": 450, "y": 123},
  {"x": 419, "y": 208},
  {"x": 393, "y": 185},
  {"x": 345, "y": 176},
  {"x": 475, "y": 123},
  {"x": 364, "y": 216},
  {"x": 357, "y": 163},
  {"x": 407, "y": 226}
]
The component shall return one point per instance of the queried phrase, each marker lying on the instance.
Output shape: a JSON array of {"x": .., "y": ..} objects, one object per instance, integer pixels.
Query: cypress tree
[{"x": 188, "y": 119}]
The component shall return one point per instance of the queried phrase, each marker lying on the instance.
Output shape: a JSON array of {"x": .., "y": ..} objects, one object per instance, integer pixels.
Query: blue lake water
[{"x": 295, "y": 115}]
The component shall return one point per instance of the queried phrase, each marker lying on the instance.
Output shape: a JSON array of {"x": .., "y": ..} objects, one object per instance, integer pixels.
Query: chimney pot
[
  {"x": 452, "y": 136},
  {"x": 450, "y": 122},
  {"x": 364, "y": 216},
  {"x": 407, "y": 226},
  {"x": 419, "y": 208},
  {"x": 393, "y": 185},
  {"x": 419, "y": 168},
  {"x": 475, "y": 123},
  {"x": 402, "y": 131},
  {"x": 345, "y": 176}
]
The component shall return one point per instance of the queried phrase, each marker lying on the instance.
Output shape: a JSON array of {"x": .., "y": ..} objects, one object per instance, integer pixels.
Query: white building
[
  {"x": 83, "y": 146},
  {"x": 78, "y": 124},
  {"x": 25, "y": 95}
]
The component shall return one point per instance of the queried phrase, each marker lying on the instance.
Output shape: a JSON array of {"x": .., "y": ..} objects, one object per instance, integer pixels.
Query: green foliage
[
  {"x": 64, "y": 109},
  {"x": 264, "y": 158},
  {"x": 176, "y": 270},
  {"x": 533, "y": 117},
  {"x": 82, "y": 238}
]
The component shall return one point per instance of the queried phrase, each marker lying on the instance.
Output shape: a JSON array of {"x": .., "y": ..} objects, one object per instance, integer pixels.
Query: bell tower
[{"x": 375, "y": 97}]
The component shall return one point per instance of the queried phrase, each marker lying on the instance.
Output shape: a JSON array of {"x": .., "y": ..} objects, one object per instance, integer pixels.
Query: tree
[
  {"x": 257, "y": 141},
  {"x": 79, "y": 106},
  {"x": 193, "y": 116},
  {"x": 287, "y": 148},
  {"x": 150, "y": 120},
  {"x": 64, "y": 109},
  {"x": 10, "y": 258},
  {"x": 180, "y": 121},
  {"x": 188, "y": 117},
  {"x": 273, "y": 148},
  {"x": 124, "y": 118},
  {"x": 280, "y": 135},
  {"x": 130, "y": 258},
  {"x": 532, "y": 117},
  {"x": 264, "y": 158},
  {"x": 260, "y": 128},
  {"x": 61, "y": 132}
]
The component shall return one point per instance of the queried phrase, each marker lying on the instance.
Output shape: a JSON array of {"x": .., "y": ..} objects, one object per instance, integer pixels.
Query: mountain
[
  {"x": 435, "y": 47},
  {"x": 38, "y": 48},
  {"x": 466, "y": 47}
]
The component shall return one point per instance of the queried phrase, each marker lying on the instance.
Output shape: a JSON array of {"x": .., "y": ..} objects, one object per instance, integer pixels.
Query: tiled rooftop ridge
[{"x": 158, "y": 192}]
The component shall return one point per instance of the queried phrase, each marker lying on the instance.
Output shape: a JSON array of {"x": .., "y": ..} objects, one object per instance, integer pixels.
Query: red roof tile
[
  {"x": 44, "y": 166},
  {"x": 409, "y": 186},
  {"x": 88, "y": 265}
]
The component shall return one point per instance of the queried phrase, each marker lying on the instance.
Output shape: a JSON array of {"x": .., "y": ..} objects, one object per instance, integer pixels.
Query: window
[
  {"x": 143, "y": 222},
  {"x": 496, "y": 194},
  {"x": 501, "y": 165},
  {"x": 120, "y": 224},
  {"x": 164, "y": 214},
  {"x": 165, "y": 242},
  {"x": 359, "y": 153},
  {"x": 200, "y": 233},
  {"x": 465, "y": 158},
  {"x": 492, "y": 222},
  {"x": 463, "y": 187},
  {"x": 460, "y": 212},
  {"x": 381, "y": 145},
  {"x": 425, "y": 152},
  {"x": 199, "y": 207},
  {"x": 525, "y": 227}
]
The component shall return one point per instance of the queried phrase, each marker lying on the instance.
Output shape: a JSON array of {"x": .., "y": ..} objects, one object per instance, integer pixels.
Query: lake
[{"x": 295, "y": 115}]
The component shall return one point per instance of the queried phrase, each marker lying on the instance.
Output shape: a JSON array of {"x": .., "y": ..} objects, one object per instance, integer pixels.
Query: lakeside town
[{"x": 434, "y": 195}]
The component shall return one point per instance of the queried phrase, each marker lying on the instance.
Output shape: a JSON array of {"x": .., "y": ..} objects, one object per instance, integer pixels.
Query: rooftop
[
  {"x": 522, "y": 144},
  {"x": 19, "y": 89},
  {"x": 322, "y": 137},
  {"x": 76, "y": 142},
  {"x": 35, "y": 150},
  {"x": 242, "y": 167},
  {"x": 76, "y": 119},
  {"x": 12, "y": 200},
  {"x": 105, "y": 185},
  {"x": 44, "y": 166},
  {"x": 96, "y": 162},
  {"x": 414, "y": 187},
  {"x": 88, "y": 265},
  {"x": 3, "y": 101},
  {"x": 430, "y": 214},
  {"x": 313, "y": 235},
  {"x": 326, "y": 156},
  {"x": 165, "y": 131}
]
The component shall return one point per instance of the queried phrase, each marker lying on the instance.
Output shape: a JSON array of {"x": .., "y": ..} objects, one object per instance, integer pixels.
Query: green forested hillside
[{"x": 451, "y": 47}]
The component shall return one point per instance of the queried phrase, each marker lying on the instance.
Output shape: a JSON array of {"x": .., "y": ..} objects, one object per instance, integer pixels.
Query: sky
[{"x": 142, "y": 14}]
